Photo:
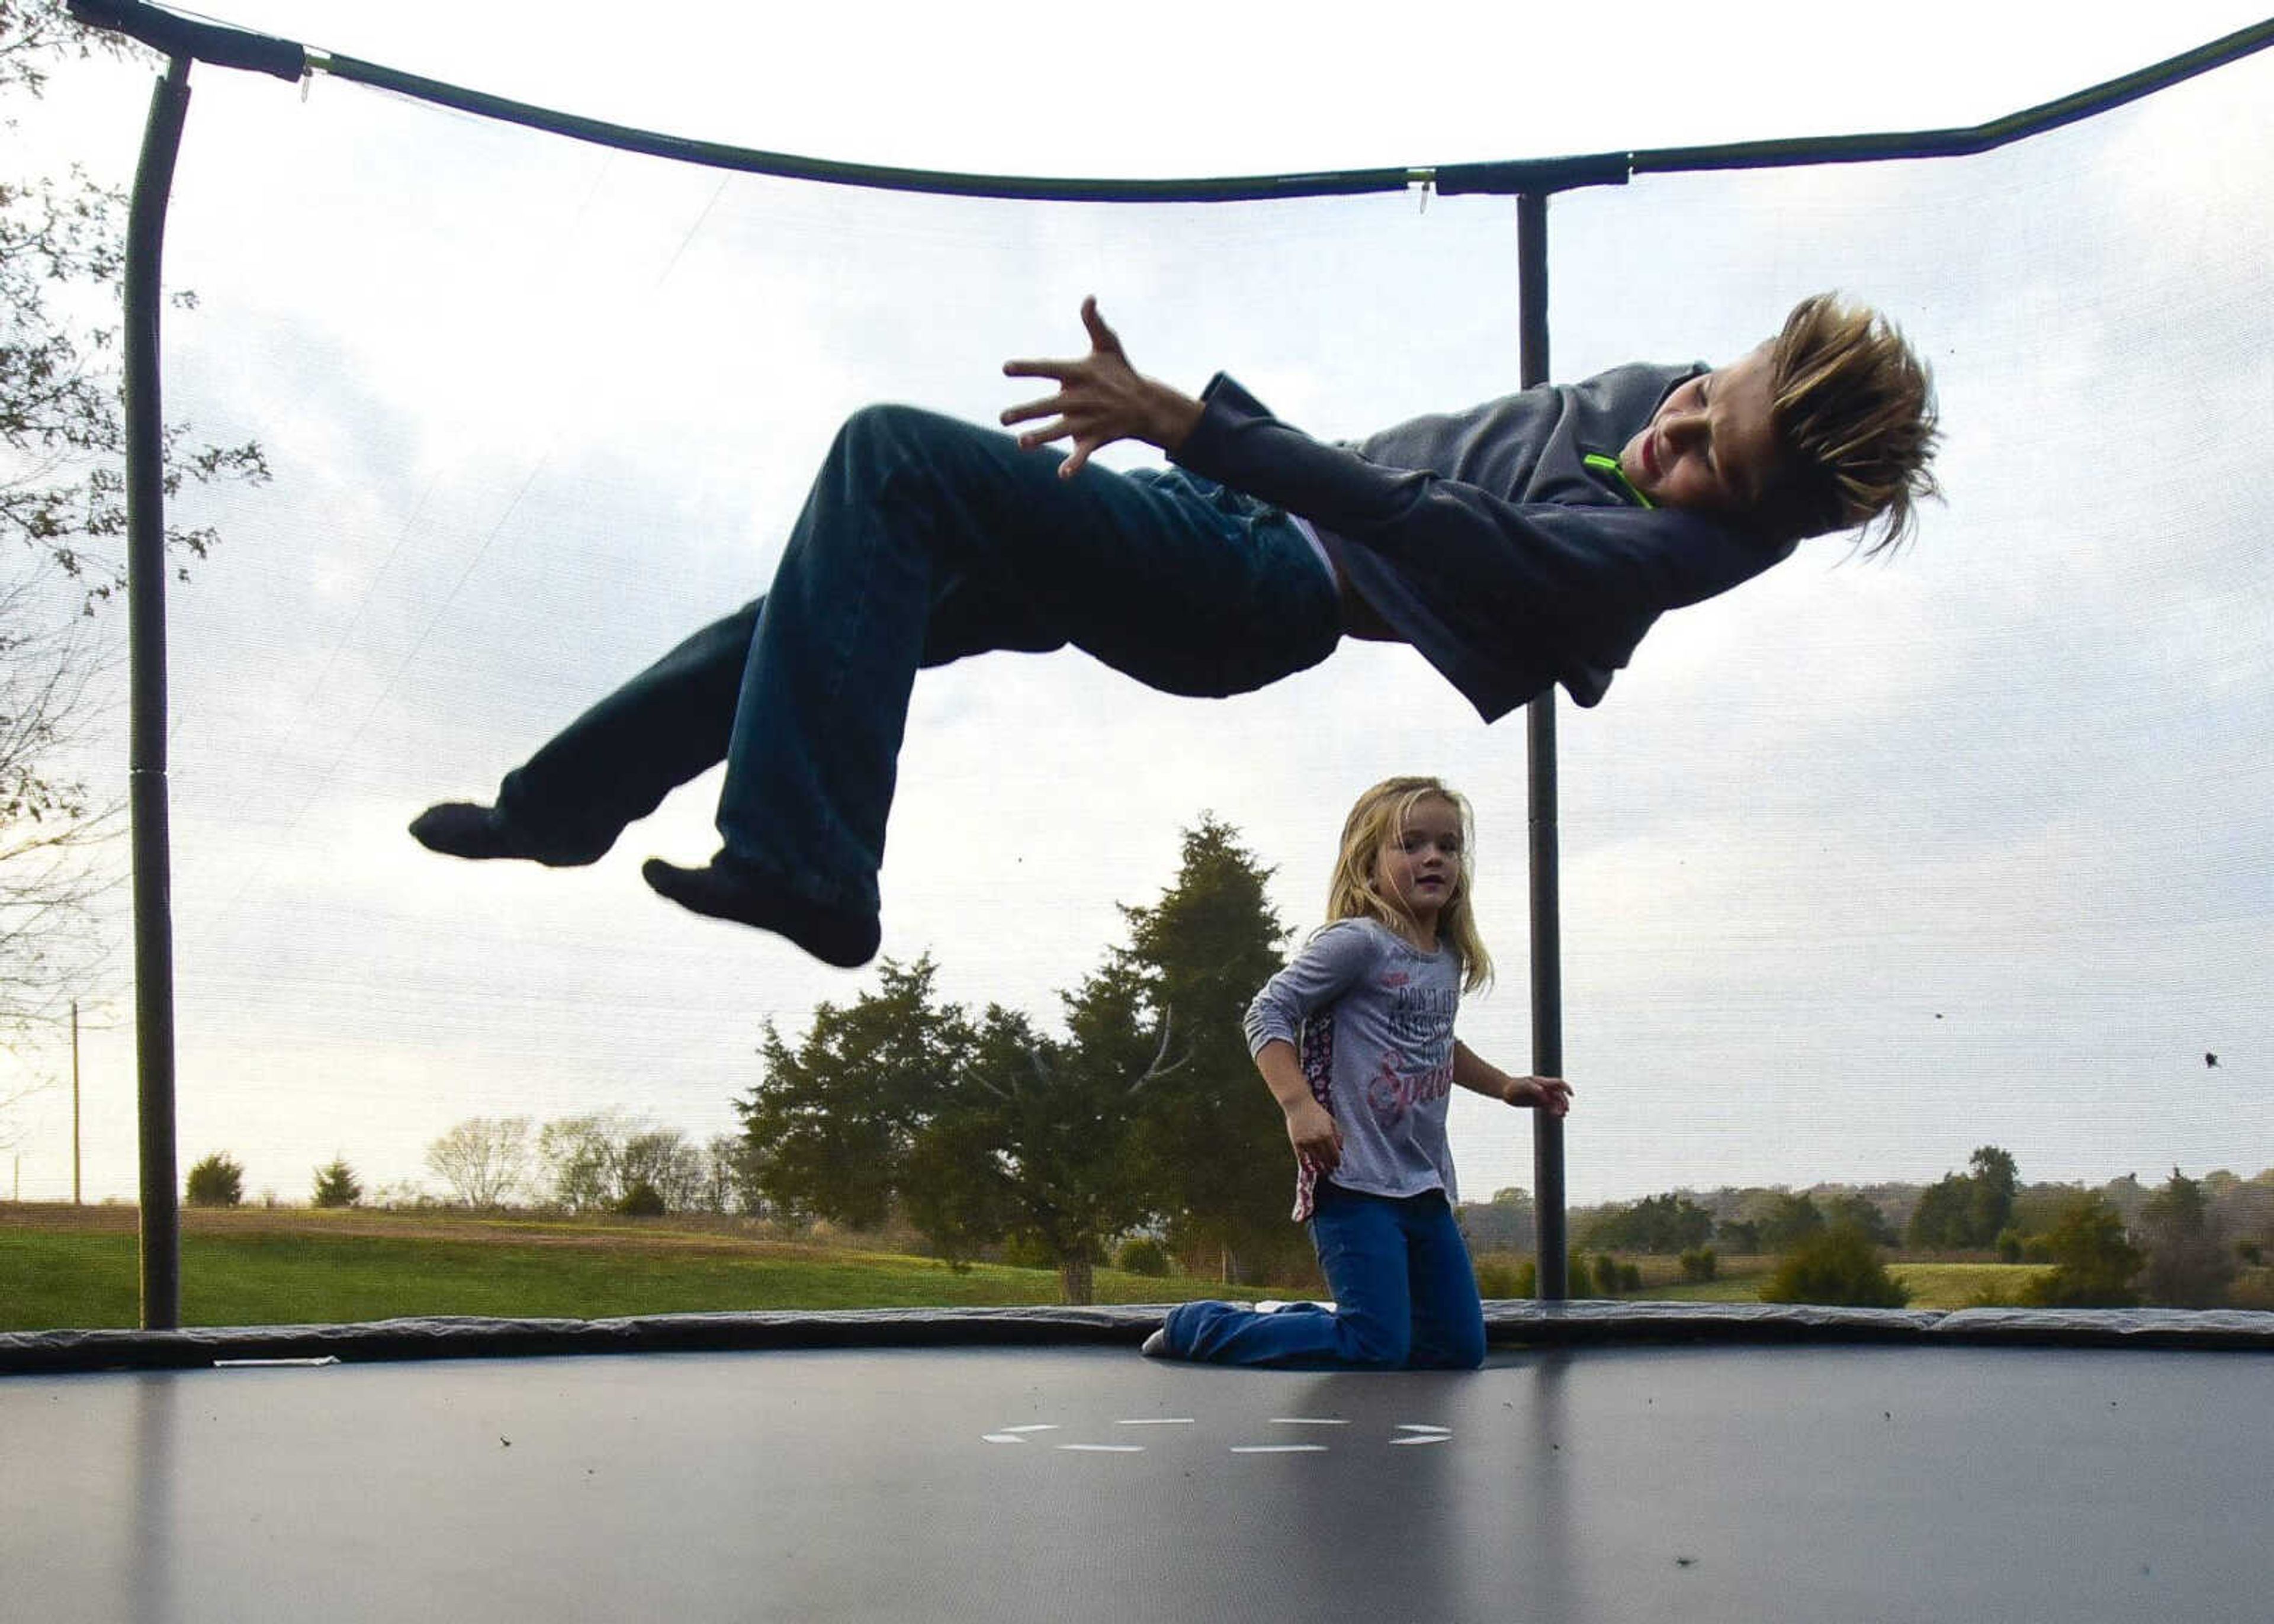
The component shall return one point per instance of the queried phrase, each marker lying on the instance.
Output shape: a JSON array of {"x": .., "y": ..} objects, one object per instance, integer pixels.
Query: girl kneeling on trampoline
[{"x": 1355, "y": 1037}]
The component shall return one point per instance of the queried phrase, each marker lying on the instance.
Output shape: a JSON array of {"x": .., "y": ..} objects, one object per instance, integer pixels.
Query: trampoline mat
[{"x": 1753, "y": 1484}]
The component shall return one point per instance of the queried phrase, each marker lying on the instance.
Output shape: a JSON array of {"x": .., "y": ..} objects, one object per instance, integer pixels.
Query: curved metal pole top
[{"x": 237, "y": 48}]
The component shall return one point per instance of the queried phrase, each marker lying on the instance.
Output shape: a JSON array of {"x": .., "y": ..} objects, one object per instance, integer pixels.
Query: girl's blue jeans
[
  {"x": 1405, "y": 1295},
  {"x": 924, "y": 539}
]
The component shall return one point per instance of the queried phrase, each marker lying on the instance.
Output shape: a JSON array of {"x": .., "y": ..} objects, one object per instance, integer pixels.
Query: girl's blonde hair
[{"x": 1355, "y": 891}]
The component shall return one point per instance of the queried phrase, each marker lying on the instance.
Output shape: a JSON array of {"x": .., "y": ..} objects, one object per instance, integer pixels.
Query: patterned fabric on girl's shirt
[{"x": 1371, "y": 1017}]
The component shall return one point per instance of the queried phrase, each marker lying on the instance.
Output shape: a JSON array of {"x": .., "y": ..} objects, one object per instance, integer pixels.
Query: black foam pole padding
[
  {"x": 1533, "y": 176},
  {"x": 179, "y": 36}
]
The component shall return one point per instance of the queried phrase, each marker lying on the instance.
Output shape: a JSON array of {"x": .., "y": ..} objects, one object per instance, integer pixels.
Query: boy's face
[{"x": 1712, "y": 445}]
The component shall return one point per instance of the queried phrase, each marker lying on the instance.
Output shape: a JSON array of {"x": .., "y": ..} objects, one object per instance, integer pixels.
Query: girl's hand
[
  {"x": 1318, "y": 1142},
  {"x": 1551, "y": 1094},
  {"x": 1100, "y": 399}
]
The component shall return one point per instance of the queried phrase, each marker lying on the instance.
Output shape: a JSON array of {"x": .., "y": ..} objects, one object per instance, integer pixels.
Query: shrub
[
  {"x": 1837, "y": 1266},
  {"x": 1791, "y": 1219},
  {"x": 1143, "y": 1254},
  {"x": 336, "y": 1185},
  {"x": 1498, "y": 1277},
  {"x": 1699, "y": 1264},
  {"x": 215, "y": 1181},
  {"x": 1603, "y": 1276},
  {"x": 2189, "y": 1265},
  {"x": 2252, "y": 1289},
  {"x": 642, "y": 1200},
  {"x": 2093, "y": 1261},
  {"x": 1030, "y": 1250}
]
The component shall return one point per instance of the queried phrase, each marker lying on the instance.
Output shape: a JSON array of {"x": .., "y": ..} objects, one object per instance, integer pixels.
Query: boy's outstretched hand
[{"x": 1100, "y": 399}]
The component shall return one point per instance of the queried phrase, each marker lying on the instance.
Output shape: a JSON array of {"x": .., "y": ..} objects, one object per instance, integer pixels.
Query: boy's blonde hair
[
  {"x": 1854, "y": 410},
  {"x": 1356, "y": 892}
]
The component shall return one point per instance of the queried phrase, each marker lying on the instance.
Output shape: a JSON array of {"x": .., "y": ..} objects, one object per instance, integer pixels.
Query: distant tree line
[
  {"x": 603, "y": 1161},
  {"x": 2187, "y": 1244},
  {"x": 989, "y": 1139}
]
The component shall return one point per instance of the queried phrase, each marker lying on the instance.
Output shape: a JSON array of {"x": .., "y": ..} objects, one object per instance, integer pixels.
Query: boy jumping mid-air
[{"x": 1523, "y": 543}]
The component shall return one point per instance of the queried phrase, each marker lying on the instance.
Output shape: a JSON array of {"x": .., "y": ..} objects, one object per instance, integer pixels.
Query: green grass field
[
  {"x": 1933, "y": 1285},
  {"x": 65, "y": 1267},
  {"x": 61, "y": 1270}
]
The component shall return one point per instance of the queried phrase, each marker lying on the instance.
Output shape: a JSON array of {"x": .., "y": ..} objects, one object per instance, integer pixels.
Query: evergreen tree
[
  {"x": 2189, "y": 1265},
  {"x": 2093, "y": 1262},
  {"x": 1995, "y": 1179},
  {"x": 832, "y": 1123},
  {"x": 1790, "y": 1221},
  {"x": 215, "y": 1180},
  {"x": 336, "y": 1185},
  {"x": 1943, "y": 1221},
  {"x": 1214, "y": 1139},
  {"x": 977, "y": 1132},
  {"x": 1859, "y": 1212},
  {"x": 1052, "y": 1124},
  {"x": 1659, "y": 1224}
]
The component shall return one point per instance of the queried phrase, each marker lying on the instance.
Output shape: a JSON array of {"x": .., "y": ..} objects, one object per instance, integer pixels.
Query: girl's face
[{"x": 1418, "y": 867}]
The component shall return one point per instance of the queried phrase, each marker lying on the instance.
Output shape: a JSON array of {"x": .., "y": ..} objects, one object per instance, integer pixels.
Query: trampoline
[
  {"x": 1799, "y": 1465},
  {"x": 1606, "y": 1464}
]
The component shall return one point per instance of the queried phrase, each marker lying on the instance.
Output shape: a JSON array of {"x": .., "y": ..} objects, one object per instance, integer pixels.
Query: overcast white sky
[{"x": 1865, "y": 865}]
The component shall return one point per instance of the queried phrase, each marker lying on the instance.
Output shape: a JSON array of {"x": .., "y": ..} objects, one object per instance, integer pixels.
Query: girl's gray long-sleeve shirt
[{"x": 1372, "y": 1017}]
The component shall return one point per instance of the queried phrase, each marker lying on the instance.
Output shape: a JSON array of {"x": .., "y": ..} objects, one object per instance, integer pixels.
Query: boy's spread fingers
[{"x": 1026, "y": 410}]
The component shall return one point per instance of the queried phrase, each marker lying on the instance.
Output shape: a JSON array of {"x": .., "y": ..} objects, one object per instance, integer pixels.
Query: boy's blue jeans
[
  {"x": 1405, "y": 1295},
  {"x": 924, "y": 539}
]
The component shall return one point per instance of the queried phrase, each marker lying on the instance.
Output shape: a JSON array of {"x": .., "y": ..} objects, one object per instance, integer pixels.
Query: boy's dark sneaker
[
  {"x": 725, "y": 890},
  {"x": 468, "y": 829}
]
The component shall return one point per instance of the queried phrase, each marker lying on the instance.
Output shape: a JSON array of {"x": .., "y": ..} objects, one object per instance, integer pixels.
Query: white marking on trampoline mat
[
  {"x": 1018, "y": 1434},
  {"x": 1410, "y": 1432}
]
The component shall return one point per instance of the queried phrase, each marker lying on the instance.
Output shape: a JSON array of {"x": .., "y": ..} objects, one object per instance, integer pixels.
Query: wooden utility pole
[{"x": 74, "y": 1101}]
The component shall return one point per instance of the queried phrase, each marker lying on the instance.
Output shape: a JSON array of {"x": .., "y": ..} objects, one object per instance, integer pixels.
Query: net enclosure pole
[
  {"x": 160, "y": 1219},
  {"x": 1553, "y": 1286}
]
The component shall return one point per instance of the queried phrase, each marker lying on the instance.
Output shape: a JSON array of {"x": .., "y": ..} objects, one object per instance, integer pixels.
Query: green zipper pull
[{"x": 1609, "y": 465}]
